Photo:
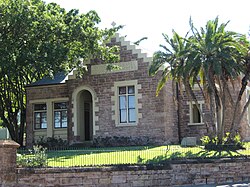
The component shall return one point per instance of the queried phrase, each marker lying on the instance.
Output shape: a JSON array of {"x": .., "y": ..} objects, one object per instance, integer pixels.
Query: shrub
[
  {"x": 52, "y": 142},
  {"x": 228, "y": 142},
  {"x": 120, "y": 141},
  {"x": 36, "y": 157}
]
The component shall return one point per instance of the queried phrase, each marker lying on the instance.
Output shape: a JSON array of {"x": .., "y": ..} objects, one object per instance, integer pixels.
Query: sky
[{"x": 151, "y": 18}]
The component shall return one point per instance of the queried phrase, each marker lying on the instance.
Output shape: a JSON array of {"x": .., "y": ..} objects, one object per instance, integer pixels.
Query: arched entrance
[{"x": 85, "y": 115}]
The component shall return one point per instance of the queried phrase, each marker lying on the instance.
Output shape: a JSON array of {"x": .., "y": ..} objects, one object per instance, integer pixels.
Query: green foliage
[
  {"x": 227, "y": 143},
  {"x": 1, "y": 123},
  {"x": 227, "y": 139},
  {"x": 37, "y": 40},
  {"x": 113, "y": 141},
  {"x": 36, "y": 157},
  {"x": 212, "y": 58},
  {"x": 52, "y": 142}
]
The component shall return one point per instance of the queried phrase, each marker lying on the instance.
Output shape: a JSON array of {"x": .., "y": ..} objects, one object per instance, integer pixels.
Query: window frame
[
  {"x": 127, "y": 108},
  {"x": 61, "y": 111},
  {"x": 191, "y": 115},
  {"x": 115, "y": 100},
  {"x": 41, "y": 112}
]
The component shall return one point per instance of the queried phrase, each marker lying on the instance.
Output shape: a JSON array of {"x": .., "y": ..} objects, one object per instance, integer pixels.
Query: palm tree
[{"x": 213, "y": 58}]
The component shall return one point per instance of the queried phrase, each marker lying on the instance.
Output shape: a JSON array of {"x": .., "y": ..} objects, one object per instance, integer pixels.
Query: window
[
  {"x": 126, "y": 103},
  {"x": 60, "y": 115},
  {"x": 195, "y": 117},
  {"x": 127, "y": 110},
  {"x": 40, "y": 116},
  {"x": 196, "y": 114}
]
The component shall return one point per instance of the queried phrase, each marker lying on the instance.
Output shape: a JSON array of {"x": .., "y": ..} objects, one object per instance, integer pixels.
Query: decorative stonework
[
  {"x": 95, "y": 118},
  {"x": 75, "y": 110},
  {"x": 124, "y": 66},
  {"x": 133, "y": 48},
  {"x": 190, "y": 114}
]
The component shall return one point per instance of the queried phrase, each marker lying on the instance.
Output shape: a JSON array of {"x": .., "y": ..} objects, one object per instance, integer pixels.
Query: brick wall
[
  {"x": 40, "y": 93},
  {"x": 174, "y": 174},
  {"x": 201, "y": 129},
  {"x": 7, "y": 162},
  {"x": 191, "y": 130},
  {"x": 158, "y": 120}
]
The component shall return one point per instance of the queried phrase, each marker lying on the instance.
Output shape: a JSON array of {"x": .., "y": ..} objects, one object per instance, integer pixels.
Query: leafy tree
[
  {"x": 38, "y": 40},
  {"x": 212, "y": 58}
]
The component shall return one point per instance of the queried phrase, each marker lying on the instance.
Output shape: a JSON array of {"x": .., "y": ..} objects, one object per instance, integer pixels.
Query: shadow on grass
[
  {"x": 132, "y": 155},
  {"x": 185, "y": 155},
  {"x": 79, "y": 156}
]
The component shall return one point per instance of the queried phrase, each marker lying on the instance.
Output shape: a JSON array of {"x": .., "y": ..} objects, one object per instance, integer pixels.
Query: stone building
[{"x": 119, "y": 103}]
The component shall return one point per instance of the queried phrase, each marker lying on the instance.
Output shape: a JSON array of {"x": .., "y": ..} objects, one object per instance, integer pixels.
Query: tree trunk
[
  {"x": 220, "y": 130},
  {"x": 21, "y": 128}
]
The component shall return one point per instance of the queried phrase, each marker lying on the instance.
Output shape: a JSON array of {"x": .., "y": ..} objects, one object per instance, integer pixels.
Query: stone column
[{"x": 8, "y": 161}]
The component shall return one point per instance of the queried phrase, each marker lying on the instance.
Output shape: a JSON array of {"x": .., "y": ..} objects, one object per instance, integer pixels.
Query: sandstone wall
[{"x": 175, "y": 174}]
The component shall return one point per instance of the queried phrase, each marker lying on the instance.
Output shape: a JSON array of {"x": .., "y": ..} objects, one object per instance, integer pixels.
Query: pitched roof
[{"x": 57, "y": 79}]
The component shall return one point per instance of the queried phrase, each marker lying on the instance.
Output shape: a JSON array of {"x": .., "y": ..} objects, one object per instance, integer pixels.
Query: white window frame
[
  {"x": 39, "y": 111},
  {"x": 59, "y": 110},
  {"x": 116, "y": 110},
  {"x": 127, "y": 108},
  {"x": 191, "y": 121}
]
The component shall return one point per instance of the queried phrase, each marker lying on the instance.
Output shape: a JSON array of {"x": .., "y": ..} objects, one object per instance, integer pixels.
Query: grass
[
  {"x": 104, "y": 156},
  {"x": 132, "y": 155}
]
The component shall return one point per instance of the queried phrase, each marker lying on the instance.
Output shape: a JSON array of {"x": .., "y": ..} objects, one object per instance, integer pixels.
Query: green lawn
[
  {"x": 132, "y": 155},
  {"x": 104, "y": 156}
]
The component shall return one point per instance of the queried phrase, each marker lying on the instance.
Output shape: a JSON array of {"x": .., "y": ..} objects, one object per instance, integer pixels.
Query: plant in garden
[
  {"x": 52, "y": 142},
  {"x": 36, "y": 157},
  {"x": 227, "y": 143},
  {"x": 214, "y": 59}
]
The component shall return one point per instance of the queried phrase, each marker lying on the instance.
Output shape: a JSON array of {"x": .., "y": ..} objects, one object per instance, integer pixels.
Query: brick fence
[
  {"x": 7, "y": 161},
  {"x": 174, "y": 173}
]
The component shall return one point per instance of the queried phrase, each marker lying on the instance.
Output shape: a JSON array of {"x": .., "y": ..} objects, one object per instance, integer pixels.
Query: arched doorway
[{"x": 85, "y": 115}]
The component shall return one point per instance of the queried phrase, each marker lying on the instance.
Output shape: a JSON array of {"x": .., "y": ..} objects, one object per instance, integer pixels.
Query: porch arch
[{"x": 83, "y": 95}]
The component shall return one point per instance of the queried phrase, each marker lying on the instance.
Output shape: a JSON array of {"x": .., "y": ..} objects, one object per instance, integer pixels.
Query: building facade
[
  {"x": 118, "y": 103},
  {"x": 103, "y": 103}
]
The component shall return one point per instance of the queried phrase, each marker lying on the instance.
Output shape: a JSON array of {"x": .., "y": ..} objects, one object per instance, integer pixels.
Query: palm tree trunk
[{"x": 220, "y": 130}]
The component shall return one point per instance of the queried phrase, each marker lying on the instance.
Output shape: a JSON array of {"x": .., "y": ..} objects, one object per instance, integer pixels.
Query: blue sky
[{"x": 148, "y": 18}]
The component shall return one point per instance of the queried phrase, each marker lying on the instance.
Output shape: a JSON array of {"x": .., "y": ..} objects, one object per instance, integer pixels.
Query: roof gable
[{"x": 60, "y": 78}]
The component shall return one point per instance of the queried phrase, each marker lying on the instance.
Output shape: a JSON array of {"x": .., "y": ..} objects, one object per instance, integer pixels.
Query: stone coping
[{"x": 8, "y": 144}]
